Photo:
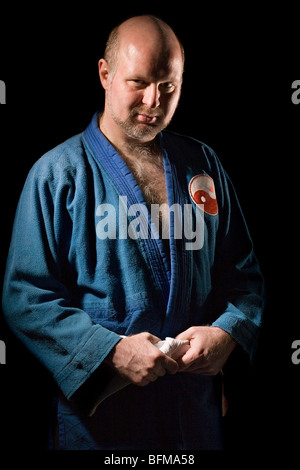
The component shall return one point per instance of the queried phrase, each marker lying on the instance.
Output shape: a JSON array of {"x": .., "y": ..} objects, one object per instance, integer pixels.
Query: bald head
[
  {"x": 141, "y": 73},
  {"x": 139, "y": 32}
]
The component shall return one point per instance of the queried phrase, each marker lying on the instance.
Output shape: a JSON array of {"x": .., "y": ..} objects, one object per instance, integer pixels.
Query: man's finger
[
  {"x": 186, "y": 362},
  {"x": 187, "y": 334},
  {"x": 170, "y": 365}
]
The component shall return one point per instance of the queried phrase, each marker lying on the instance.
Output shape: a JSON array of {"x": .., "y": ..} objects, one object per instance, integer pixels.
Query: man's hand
[
  {"x": 137, "y": 359},
  {"x": 210, "y": 349}
]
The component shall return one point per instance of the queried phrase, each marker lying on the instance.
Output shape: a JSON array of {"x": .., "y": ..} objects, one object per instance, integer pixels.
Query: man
[{"x": 90, "y": 290}]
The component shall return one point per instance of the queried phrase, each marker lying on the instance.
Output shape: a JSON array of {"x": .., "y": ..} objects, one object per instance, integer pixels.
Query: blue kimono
[{"x": 70, "y": 291}]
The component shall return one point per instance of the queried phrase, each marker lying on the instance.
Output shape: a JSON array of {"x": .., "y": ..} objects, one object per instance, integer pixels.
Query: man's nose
[{"x": 151, "y": 96}]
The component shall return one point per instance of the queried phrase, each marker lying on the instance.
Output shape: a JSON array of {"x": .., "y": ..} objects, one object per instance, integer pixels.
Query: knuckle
[
  {"x": 143, "y": 379},
  {"x": 143, "y": 383},
  {"x": 145, "y": 335},
  {"x": 193, "y": 329}
]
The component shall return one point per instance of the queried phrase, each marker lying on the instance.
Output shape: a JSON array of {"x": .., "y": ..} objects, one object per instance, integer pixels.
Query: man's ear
[{"x": 103, "y": 73}]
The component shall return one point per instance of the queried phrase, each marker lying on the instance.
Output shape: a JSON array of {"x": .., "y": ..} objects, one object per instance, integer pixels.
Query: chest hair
[{"x": 150, "y": 176}]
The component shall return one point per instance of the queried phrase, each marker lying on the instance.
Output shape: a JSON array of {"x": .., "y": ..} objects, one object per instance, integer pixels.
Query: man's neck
[
  {"x": 130, "y": 148},
  {"x": 145, "y": 161}
]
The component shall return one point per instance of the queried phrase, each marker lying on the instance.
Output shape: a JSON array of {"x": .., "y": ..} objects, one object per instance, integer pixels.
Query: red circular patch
[{"x": 202, "y": 191}]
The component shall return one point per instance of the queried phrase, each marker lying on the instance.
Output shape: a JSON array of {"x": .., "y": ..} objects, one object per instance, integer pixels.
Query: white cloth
[{"x": 172, "y": 347}]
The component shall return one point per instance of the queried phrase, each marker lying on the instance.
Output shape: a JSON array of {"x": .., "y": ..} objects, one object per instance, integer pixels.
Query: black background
[{"x": 236, "y": 97}]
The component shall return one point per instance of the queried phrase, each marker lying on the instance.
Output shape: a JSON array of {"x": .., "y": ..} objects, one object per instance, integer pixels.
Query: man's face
[{"x": 144, "y": 91}]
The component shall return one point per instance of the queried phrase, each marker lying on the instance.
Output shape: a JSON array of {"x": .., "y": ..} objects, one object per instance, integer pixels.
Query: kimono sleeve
[
  {"x": 36, "y": 300},
  {"x": 239, "y": 295}
]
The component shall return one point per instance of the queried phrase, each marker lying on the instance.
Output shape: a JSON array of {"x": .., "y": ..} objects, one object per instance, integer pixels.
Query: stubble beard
[{"x": 141, "y": 132}]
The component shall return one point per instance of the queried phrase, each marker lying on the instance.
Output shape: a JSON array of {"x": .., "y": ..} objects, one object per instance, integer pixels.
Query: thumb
[
  {"x": 185, "y": 335},
  {"x": 186, "y": 360},
  {"x": 152, "y": 338},
  {"x": 170, "y": 365}
]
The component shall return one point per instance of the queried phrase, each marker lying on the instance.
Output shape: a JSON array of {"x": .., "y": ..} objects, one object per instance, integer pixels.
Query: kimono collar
[{"x": 169, "y": 272}]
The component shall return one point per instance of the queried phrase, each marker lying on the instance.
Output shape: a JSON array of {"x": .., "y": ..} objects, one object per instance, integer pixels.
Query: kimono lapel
[
  {"x": 181, "y": 259},
  {"x": 170, "y": 275}
]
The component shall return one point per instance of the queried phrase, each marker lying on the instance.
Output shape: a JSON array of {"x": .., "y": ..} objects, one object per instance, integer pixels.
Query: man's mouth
[{"x": 145, "y": 118}]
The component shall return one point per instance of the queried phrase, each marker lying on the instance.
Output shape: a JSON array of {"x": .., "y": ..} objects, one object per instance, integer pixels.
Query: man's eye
[
  {"x": 167, "y": 87},
  {"x": 139, "y": 83}
]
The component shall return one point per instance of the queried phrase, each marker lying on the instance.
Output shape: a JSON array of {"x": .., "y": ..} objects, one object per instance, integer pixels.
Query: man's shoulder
[{"x": 66, "y": 156}]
